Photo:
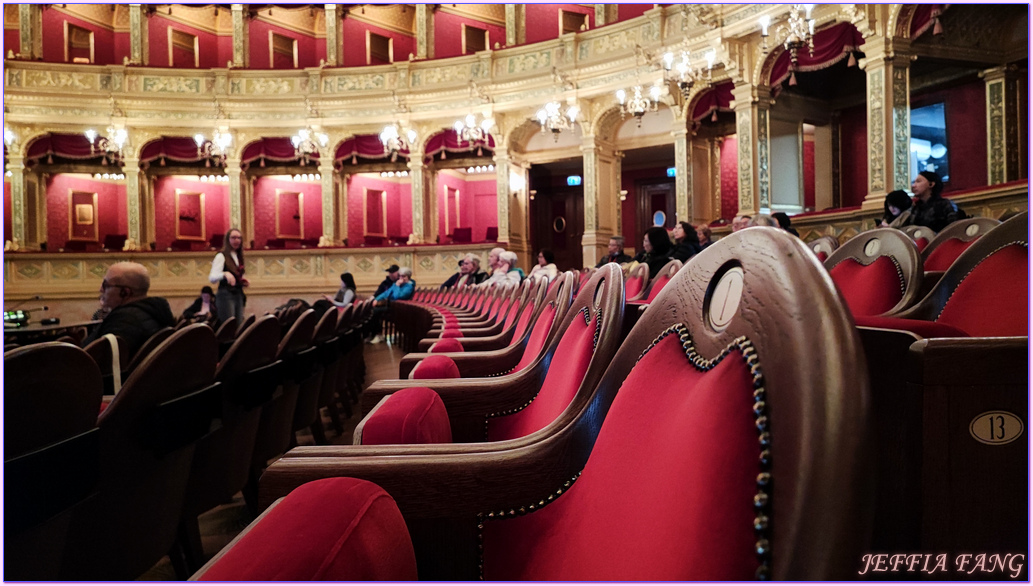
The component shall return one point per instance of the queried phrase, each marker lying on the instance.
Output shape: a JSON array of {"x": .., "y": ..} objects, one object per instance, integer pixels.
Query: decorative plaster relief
[
  {"x": 171, "y": 84},
  {"x": 876, "y": 131}
]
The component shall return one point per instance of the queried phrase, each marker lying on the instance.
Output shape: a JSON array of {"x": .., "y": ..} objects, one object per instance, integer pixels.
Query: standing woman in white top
[{"x": 228, "y": 272}]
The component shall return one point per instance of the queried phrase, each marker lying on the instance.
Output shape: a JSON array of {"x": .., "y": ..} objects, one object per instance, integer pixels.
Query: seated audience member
[
  {"x": 614, "y": 252},
  {"x": 494, "y": 259},
  {"x": 785, "y": 223},
  {"x": 504, "y": 274},
  {"x": 512, "y": 259},
  {"x": 703, "y": 234},
  {"x": 931, "y": 209},
  {"x": 133, "y": 315},
  {"x": 346, "y": 294},
  {"x": 740, "y": 222},
  {"x": 389, "y": 280},
  {"x": 203, "y": 308},
  {"x": 546, "y": 267},
  {"x": 469, "y": 274},
  {"x": 896, "y": 209},
  {"x": 656, "y": 246},
  {"x": 763, "y": 220},
  {"x": 686, "y": 242},
  {"x": 401, "y": 290}
]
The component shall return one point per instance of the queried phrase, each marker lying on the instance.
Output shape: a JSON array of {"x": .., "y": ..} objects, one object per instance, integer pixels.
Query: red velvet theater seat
[
  {"x": 727, "y": 439},
  {"x": 824, "y": 246},
  {"x": 415, "y": 415},
  {"x": 878, "y": 272},
  {"x": 337, "y": 529},
  {"x": 636, "y": 282},
  {"x": 948, "y": 245},
  {"x": 447, "y": 345},
  {"x": 922, "y": 235},
  {"x": 661, "y": 279},
  {"x": 435, "y": 367}
]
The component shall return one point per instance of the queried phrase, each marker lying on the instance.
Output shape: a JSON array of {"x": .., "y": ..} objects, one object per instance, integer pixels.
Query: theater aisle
[{"x": 220, "y": 525}]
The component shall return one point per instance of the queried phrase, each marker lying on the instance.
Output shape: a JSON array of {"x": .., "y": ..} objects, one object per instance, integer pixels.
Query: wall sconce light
[
  {"x": 624, "y": 194},
  {"x": 532, "y": 193}
]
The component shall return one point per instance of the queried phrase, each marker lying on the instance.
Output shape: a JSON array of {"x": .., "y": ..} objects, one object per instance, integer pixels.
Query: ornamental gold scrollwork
[
  {"x": 876, "y": 130},
  {"x": 745, "y": 148}
]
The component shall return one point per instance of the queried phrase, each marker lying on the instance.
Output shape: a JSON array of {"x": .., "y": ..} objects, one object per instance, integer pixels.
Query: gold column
[
  {"x": 754, "y": 146},
  {"x": 131, "y": 168},
  {"x": 334, "y": 41},
  {"x": 515, "y": 25},
  {"x": 419, "y": 185},
  {"x": 342, "y": 207},
  {"x": 326, "y": 174},
  {"x": 16, "y": 165},
  {"x": 138, "y": 35},
  {"x": 233, "y": 173},
  {"x": 1003, "y": 115},
  {"x": 30, "y": 31},
  {"x": 682, "y": 171},
  {"x": 424, "y": 31},
  {"x": 502, "y": 188},
  {"x": 601, "y": 196},
  {"x": 889, "y": 118},
  {"x": 240, "y": 36},
  {"x": 605, "y": 14}
]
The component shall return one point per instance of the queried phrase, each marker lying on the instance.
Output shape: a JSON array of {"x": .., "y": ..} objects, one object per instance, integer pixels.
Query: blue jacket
[{"x": 398, "y": 292}]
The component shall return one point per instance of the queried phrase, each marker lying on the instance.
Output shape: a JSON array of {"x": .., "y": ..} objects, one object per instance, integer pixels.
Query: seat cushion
[
  {"x": 451, "y": 333},
  {"x": 435, "y": 367},
  {"x": 335, "y": 529},
  {"x": 415, "y": 415},
  {"x": 658, "y": 286},
  {"x": 870, "y": 289},
  {"x": 447, "y": 345},
  {"x": 633, "y": 287},
  {"x": 668, "y": 490}
]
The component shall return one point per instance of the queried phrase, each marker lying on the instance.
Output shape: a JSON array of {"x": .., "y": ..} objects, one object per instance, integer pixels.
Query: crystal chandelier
[
  {"x": 111, "y": 144},
  {"x": 307, "y": 142},
  {"x": 638, "y": 105},
  {"x": 683, "y": 73},
  {"x": 470, "y": 131},
  {"x": 554, "y": 120},
  {"x": 396, "y": 139},
  {"x": 214, "y": 148},
  {"x": 797, "y": 32}
]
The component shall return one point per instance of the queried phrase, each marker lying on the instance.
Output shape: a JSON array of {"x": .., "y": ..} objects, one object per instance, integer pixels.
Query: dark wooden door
[
  {"x": 654, "y": 196},
  {"x": 559, "y": 224}
]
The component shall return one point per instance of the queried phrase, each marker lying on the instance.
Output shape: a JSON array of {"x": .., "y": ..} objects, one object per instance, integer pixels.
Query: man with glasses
[{"x": 131, "y": 314}]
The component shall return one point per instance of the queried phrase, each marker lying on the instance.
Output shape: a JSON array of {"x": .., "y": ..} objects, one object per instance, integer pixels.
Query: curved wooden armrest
[
  {"x": 471, "y": 364},
  {"x": 468, "y": 397},
  {"x": 428, "y": 486}
]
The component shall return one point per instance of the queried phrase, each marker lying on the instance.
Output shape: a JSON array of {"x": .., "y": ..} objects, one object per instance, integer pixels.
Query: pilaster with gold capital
[
  {"x": 683, "y": 172},
  {"x": 16, "y": 165},
  {"x": 30, "y": 31},
  {"x": 515, "y": 25},
  {"x": 503, "y": 189},
  {"x": 1003, "y": 116},
  {"x": 605, "y": 14},
  {"x": 886, "y": 66},
  {"x": 328, "y": 180},
  {"x": 138, "y": 36},
  {"x": 601, "y": 196},
  {"x": 417, "y": 172},
  {"x": 753, "y": 142},
  {"x": 131, "y": 169},
  {"x": 240, "y": 35},
  {"x": 334, "y": 39},
  {"x": 424, "y": 31}
]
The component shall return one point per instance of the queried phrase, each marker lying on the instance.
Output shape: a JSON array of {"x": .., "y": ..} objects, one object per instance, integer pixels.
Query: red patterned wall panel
[
  {"x": 808, "y": 174},
  {"x": 853, "y": 154},
  {"x": 54, "y": 38},
  {"x": 259, "y": 46},
  {"x": 7, "y": 211},
  {"x": 12, "y": 40},
  {"x": 354, "y": 33},
  {"x": 543, "y": 20},
  {"x": 158, "y": 43},
  {"x": 111, "y": 206},
  {"x": 265, "y": 207},
  {"x": 448, "y": 34},
  {"x": 216, "y": 207}
]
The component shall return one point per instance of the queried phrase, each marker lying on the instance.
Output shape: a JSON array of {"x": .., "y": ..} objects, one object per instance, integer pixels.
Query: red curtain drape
[
  {"x": 719, "y": 97},
  {"x": 274, "y": 149},
  {"x": 367, "y": 146},
  {"x": 924, "y": 18},
  {"x": 69, "y": 146},
  {"x": 448, "y": 141},
  {"x": 830, "y": 45},
  {"x": 176, "y": 148}
]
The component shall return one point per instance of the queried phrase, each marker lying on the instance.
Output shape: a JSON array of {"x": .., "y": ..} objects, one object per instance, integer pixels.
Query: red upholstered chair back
[
  {"x": 878, "y": 272},
  {"x": 589, "y": 336},
  {"x": 345, "y": 318},
  {"x": 462, "y": 235},
  {"x": 824, "y": 246},
  {"x": 100, "y": 351},
  {"x": 148, "y": 347},
  {"x": 948, "y": 245},
  {"x": 583, "y": 278},
  {"x": 735, "y": 447},
  {"x": 246, "y": 323},
  {"x": 227, "y": 331},
  {"x": 922, "y": 235},
  {"x": 636, "y": 281},
  {"x": 299, "y": 336},
  {"x": 415, "y": 415},
  {"x": 985, "y": 292},
  {"x": 326, "y": 327},
  {"x": 661, "y": 279},
  {"x": 132, "y": 521},
  {"x": 46, "y": 403},
  {"x": 547, "y": 320}
]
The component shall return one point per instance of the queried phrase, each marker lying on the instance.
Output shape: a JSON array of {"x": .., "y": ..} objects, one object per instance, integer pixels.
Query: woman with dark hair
[
  {"x": 896, "y": 209},
  {"x": 686, "y": 242},
  {"x": 203, "y": 308},
  {"x": 228, "y": 272},
  {"x": 932, "y": 209},
  {"x": 546, "y": 267},
  {"x": 656, "y": 246},
  {"x": 346, "y": 294},
  {"x": 785, "y": 223}
]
